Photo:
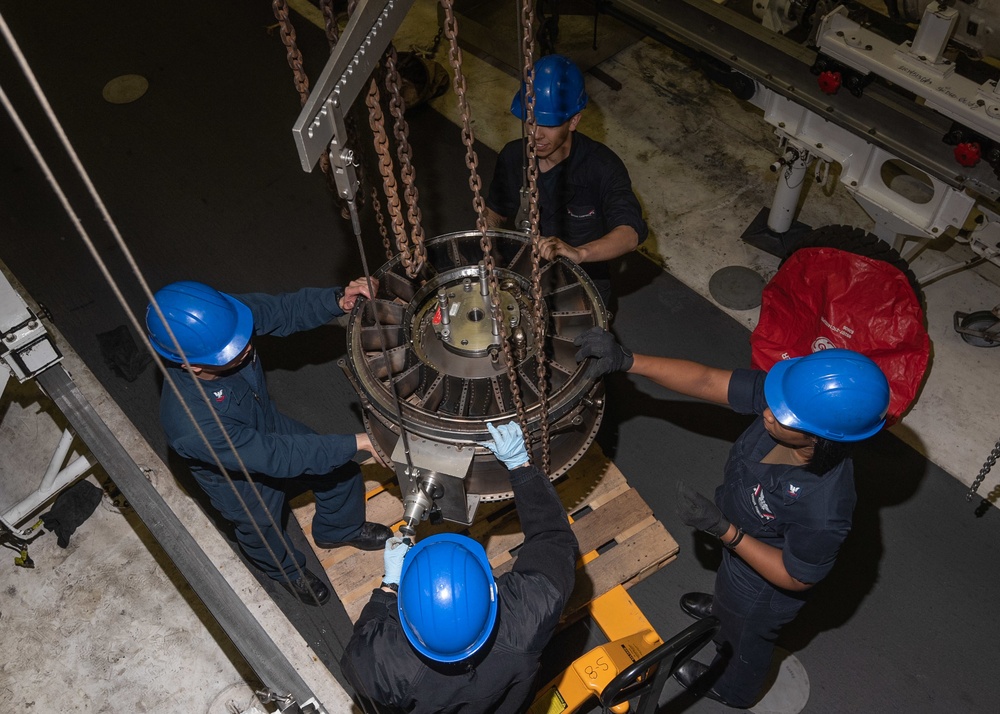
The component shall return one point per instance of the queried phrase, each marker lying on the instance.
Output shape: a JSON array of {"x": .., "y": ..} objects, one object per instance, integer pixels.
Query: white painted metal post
[{"x": 792, "y": 176}]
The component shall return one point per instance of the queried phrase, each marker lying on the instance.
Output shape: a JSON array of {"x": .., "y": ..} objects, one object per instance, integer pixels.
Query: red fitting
[
  {"x": 829, "y": 82},
  {"x": 968, "y": 153},
  {"x": 437, "y": 316}
]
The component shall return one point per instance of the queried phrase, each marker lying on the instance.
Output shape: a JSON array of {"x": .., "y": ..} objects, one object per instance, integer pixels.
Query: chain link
[
  {"x": 475, "y": 183},
  {"x": 380, "y": 219},
  {"x": 430, "y": 51},
  {"x": 528, "y": 75},
  {"x": 300, "y": 78},
  {"x": 376, "y": 120},
  {"x": 987, "y": 466},
  {"x": 330, "y": 22},
  {"x": 401, "y": 130}
]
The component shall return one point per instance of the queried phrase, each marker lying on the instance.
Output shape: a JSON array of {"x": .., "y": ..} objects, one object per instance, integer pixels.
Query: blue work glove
[
  {"x": 699, "y": 512},
  {"x": 395, "y": 551},
  {"x": 610, "y": 356},
  {"x": 508, "y": 444}
]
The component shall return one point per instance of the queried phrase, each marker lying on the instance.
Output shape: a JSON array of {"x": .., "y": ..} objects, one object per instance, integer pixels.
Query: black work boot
[
  {"x": 308, "y": 589},
  {"x": 691, "y": 674},
  {"x": 372, "y": 537},
  {"x": 697, "y": 605}
]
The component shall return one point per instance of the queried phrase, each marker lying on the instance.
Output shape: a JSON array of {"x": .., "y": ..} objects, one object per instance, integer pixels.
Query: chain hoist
[{"x": 321, "y": 133}]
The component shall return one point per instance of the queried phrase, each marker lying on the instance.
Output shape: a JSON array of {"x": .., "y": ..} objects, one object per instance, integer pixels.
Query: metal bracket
[
  {"x": 25, "y": 346},
  {"x": 320, "y": 125}
]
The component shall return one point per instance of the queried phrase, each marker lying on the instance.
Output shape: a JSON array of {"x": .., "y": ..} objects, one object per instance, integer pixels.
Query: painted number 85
[{"x": 592, "y": 670}]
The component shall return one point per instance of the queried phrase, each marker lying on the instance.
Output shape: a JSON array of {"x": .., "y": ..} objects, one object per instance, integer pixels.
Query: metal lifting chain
[
  {"x": 280, "y": 8},
  {"x": 380, "y": 219},
  {"x": 330, "y": 22},
  {"x": 376, "y": 120},
  {"x": 475, "y": 183},
  {"x": 401, "y": 130},
  {"x": 300, "y": 77},
  {"x": 990, "y": 461},
  {"x": 528, "y": 75}
]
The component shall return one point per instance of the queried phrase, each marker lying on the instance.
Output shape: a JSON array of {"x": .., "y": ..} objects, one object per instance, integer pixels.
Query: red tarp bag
[{"x": 822, "y": 298}]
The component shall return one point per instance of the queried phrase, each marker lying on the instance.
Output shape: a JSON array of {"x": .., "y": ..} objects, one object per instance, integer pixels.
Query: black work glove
[
  {"x": 122, "y": 354},
  {"x": 610, "y": 355},
  {"x": 699, "y": 512},
  {"x": 73, "y": 506}
]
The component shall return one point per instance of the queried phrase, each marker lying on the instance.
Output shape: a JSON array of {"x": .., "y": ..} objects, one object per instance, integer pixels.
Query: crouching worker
[
  {"x": 787, "y": 496},
  {"x": 214, "y": 333},
  {"x": 441, "y": 635}
]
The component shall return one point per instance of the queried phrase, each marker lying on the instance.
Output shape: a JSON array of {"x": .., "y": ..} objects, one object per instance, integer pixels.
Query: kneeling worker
[{"x": 454, "y": 639}]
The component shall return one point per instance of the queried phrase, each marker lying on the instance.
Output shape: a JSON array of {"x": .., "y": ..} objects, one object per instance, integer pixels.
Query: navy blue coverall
[
  {"x": 272, "y": 446},
  {"x": 383, "y": 667},
  {"x": 580, "y": 199},
  {"x": 806, "y": 515}
]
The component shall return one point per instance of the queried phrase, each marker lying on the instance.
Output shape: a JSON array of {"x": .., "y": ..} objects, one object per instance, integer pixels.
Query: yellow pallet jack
[{"x": 634, "y": 663}]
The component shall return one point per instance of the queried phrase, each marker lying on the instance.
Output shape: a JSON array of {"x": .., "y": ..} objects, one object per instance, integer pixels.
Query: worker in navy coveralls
[
  {"x": 214, "y": 333},
  {"x": 787, "y": 498},
  {"x": 588, "y": 212},
  {"x": 440, "y": 635}
]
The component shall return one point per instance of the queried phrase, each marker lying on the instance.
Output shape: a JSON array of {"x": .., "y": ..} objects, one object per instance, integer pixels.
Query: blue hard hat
[
  {"x": 840, "y": 395},
  {"x": 559, "y": 92},
  {"x": 447, "y": 597},
  {"x": 212, "y": 328}
]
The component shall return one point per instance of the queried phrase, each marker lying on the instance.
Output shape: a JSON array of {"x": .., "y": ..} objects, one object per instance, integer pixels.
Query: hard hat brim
[{"x": 241, "y": 335}]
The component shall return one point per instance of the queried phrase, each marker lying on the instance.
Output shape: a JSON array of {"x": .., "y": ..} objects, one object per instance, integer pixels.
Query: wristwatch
[{"x": 392, "y": 586}]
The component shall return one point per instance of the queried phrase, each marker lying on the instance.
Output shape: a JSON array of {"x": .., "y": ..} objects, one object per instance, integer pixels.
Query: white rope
[{"x": 133, "y": 319}]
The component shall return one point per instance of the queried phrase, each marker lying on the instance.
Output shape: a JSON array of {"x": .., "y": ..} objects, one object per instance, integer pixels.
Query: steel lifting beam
[{"x": 320, "y": 125}]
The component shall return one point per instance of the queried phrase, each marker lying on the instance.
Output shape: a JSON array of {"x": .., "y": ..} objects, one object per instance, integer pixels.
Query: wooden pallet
[{"x": 620, "y": 538}]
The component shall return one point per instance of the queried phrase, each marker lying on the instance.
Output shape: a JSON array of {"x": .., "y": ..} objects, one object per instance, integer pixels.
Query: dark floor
[{"x": 203, "y": 181}]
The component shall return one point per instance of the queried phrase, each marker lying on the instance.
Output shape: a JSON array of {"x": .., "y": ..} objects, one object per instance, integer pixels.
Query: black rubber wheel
[
  {"x": 980, "y": 320},
  {"x": 860, "y": 242}
]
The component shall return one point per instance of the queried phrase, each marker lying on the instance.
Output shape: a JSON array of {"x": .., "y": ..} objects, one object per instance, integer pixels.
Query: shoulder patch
[{"x": 760, "y": 505}]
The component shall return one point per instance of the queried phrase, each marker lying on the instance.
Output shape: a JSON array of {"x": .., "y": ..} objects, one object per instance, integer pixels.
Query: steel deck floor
[{"x": 202, "y": 178}]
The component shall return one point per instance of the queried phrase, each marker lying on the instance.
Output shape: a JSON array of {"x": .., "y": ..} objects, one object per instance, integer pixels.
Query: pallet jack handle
[{"x": 646, "y": 677}]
